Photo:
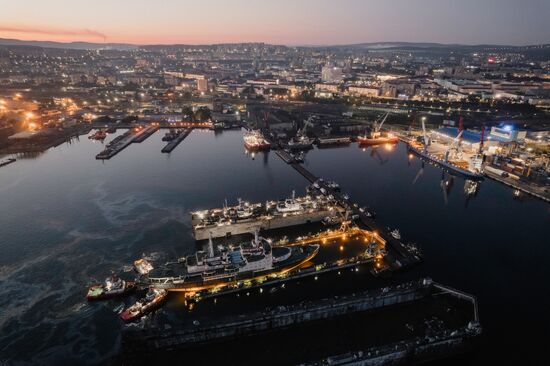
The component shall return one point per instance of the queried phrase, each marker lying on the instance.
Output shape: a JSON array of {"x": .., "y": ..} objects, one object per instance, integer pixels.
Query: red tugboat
[
  {"x": 152, "y": 300},
  {"x": 376, "y": 137},
  {"x": 112, "y": 287}
]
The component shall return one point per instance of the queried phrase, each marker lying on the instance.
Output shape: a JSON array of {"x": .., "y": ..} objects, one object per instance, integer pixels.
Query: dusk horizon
[{"x": 289, "y": 23}]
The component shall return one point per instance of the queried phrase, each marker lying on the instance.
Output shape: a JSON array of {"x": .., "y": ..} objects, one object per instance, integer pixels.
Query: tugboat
[
  {"x": 112, "y": 287},
  {"x": 152, "y": 300},
  {"x": 99, "y": 135}
]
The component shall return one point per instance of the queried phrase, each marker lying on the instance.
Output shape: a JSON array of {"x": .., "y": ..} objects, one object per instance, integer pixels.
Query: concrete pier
[{"x": 175, "y": 142}]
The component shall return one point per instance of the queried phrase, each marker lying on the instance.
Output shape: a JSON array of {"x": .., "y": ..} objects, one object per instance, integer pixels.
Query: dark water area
[{"x": 66, "y": 219}]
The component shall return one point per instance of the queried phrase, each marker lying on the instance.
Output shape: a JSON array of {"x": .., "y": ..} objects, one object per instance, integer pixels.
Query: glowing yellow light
[{"x": 29, "y": 115}]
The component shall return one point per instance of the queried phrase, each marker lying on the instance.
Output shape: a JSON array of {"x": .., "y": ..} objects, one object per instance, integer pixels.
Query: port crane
[
  {"x": 378, "y": 127},
  {"x": 307, "y": 123},
  {"x": 425, "y": 136},
  {"x": 454, "y": 148}
]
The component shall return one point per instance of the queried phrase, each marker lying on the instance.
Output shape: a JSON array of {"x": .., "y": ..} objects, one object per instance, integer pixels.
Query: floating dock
[
  {"x": 244, "y": 327},
  {"x": 175, "y": 142}
]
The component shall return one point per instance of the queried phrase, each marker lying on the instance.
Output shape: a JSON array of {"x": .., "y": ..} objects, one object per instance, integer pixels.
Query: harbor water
[{"x": 67, "y": 218}]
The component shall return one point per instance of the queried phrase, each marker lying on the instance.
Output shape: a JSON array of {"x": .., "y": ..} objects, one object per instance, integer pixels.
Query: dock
[
  {"x": 123, "y": 141},
  {"x": 175, "y": 142},
  {"x": 401, "y": 256},
  {"x": 146, "y": 133},
  {"x": 538, "y": 192},
  {"x": 209, "y": 332}
]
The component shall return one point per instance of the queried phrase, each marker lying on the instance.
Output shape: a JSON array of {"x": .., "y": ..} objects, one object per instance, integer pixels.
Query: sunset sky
[{"x": 283, "y": 21}]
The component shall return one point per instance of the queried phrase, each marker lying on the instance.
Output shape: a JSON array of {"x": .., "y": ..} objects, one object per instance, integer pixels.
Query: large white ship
[{"x": 245, "y": 261}]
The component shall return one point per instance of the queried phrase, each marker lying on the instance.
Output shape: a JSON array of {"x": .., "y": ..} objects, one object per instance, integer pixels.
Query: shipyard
[{"x": 234, "y": 187}]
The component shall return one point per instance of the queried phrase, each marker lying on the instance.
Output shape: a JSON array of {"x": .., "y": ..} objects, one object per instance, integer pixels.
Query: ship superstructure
[
  {"x": 255, "y": 140},
  {"x": 205, "y": 269},
  {"x": 247, "y": 217}
]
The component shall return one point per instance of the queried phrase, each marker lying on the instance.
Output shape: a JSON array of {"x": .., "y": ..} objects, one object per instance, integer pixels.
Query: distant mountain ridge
[
  {"x": 367, "y": 45},
  {"x": 68, "y": 45}
]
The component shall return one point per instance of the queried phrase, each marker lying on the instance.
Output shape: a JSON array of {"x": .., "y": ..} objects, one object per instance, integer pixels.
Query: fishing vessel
[
  {"x": 248, "y": 260},
  {"x": 152, "y": 300},
  {"x": 112, "y": 287},
  {"x": 255, "y": 140}
]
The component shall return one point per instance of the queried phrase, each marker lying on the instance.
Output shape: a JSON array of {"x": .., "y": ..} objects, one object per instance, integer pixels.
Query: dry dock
[{"x": 175, "y": 142}]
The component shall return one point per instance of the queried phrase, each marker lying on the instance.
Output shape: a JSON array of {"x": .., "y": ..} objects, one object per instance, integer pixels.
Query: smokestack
[{"x": 210, "y": 246}]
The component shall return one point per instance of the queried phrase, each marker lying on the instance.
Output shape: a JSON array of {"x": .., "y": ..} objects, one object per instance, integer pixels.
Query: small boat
[
  {"x": 112, "y": 287},
  {"x": 152, "y": 300},
  {"x": 395, "y": 234},
  {"x": 6, "y": 161},
  {"x": 142, "y": 266},
  {"x": 99, "y": 135}
]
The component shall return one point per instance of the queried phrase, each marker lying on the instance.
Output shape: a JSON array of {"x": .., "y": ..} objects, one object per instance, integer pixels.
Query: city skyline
[{"x": 291, "y": 23}]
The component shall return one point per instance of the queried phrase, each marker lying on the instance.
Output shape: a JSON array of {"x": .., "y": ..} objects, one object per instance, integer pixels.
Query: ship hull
[
  {"x": 378, "y": 141},
  {"x": 128, "y": 316},
  {"x": 130, "y": 286},
  {"x": 257, "y": 147},
  {"x": 445, "y": 165},
  {"x": 191, "y": 285}
]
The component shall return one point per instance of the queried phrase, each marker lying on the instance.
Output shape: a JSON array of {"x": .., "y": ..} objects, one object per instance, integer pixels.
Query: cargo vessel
[
  {"x": 377, "y": 139},
  {"x": 112, "y": 287},
  {"x": 443, "y": 163},
  {"x": 254, "y": 140},
  {"x": 248, "y": 260},
  {"x": 152, "y": 300},
  {"x": 247, "y": 217}
]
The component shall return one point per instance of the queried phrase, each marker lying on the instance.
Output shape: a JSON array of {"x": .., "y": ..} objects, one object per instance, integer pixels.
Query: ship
[
  {"x": 376, "y": 138},
  {"x": 444, "y": 163},
  {"x": 333, "y": 141},
  {"x": 7, "y": 162},
  {"x": 245, "y": 261},
  {"x": 300, "y": 142},
  {"x": 247, "y": 217},
  {"x": 112, "y": 287},
  {"x": 98, "y": 135},
  {"x": 170, "y": 135},
  {"x": 152, "y": 300},
  {"x": 254, "y": 140}
]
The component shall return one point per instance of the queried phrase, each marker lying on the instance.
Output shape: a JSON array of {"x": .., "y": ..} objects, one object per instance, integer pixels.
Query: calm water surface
[{"x": 66, "y": 218}]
